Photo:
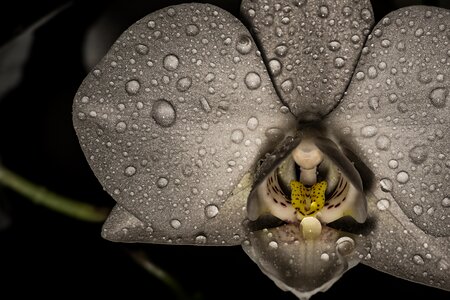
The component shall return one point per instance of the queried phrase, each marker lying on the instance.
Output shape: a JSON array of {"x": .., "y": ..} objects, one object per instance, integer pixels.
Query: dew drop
[
  {"x": 281, "y": 50},
  {"x": 383, "y": 142},
  {"x": 339, "y": 62},
  {"x": 418, "y": 260},
  {"x": 386, "y": 185},
  {"x": 163, "y": 113},
  {"x": 132, "y": 87},
  {"x": 287, "y": 86},
  {"x": 211, "y": 211},
  {"x": 252, "y": 123},
  {"x": 393, "y": 164},
  {"x": 369, "y": 131},
  {"x": 162, "y": 182},
  {"x": 443, "y": 265},
  {"x": 372, "y": 72},
  {"x": 374, "y": 103},
  {"x": 445, "y": 202},
  {"x": 121, "y": 127},
  {"x": 244, "y": 44},
  {"x": 439, "y": 97},
  {"x": 418, "y": 154},
  {"x": 184, "y": 84},
  {"x": 323, "y": 11},
  {"x": 324, "y": 257},
  {"x": 345, "y": 245},
  {"x": 402, "y": 177},
  {"x": 275, "y": 67},
  {"x": 252, "y": 80},
  {"x": 130, "y": 171},
  {"x": 171, "y": 62},
  {"x": 334, "y": 45},
  {"x": 237, "y": 136},
  {"x": 141, "y": 49},
  {"x": 383, "y": 204},
  {"x": 200, "y": 239},
  {"x": 192, "y": 30},
  {"x": 175, "y": 223},
  {"x": 418, "y": 210},
  {"x": 273, "y": 245}
]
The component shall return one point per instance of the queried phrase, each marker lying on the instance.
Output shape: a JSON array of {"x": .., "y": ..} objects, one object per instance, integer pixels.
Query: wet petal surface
[
  {"x": 395, "y": 118},
  {"x": 311, "y": 48},
  {"x": 172, "y": 120}
]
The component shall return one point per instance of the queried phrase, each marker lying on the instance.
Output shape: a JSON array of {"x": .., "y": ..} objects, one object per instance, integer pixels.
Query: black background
[{"x": 50, "y": 255}]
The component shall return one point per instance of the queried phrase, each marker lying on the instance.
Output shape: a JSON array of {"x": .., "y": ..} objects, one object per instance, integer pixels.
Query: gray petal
[
  {"x": 395, "y": 117},
  {"x": 311, "y": 48},
  {"x": 172, "y": 120}
]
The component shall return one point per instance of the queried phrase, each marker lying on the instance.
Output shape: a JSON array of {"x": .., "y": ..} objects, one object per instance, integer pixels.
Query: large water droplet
[
  {"x": 386, "y": 185},
  {"x": 200, "y": 239},
  {"x": 184, "y": 84},
  {"x": 171, "y": 62},
  {"x": 369, "y": 131},
  {"x": 323, "y": 11},
  {"x": 439, "y": 97},
  {"x": 418, "y": 260},
  {"x": 237, "y": 136},
  {"x": 132, "y": 87},
  {"x": 287, "y": 86},
  {"x": 445, "y": 202},
  {"x": 192, "y": 30},
  {"x": 252, "y": 80},
  {"x": 163, "y": 113},
  {"x": 334, "y": 45},
  {"x": 275, "y": 67},
  {"x": 141, "y": 49},
  {"x": 130, "y": 171},
  {"x": 418, "y": 210},
  {"x": 339, "y": 62},
  {"x": 345, "y": 245},
  {"x": 175, "y": 223},
  {"x": 383, "y": 142},
  {"x": 121, "y": 127},
  {"x": 211, "y": 211},
  {"x": 252, "y": 123},
  {"x": 418, "y": 154},
  {"x": 273, "y": 245},
  {"x": 244, "y": 44},
  {"x": 162, "y": 182},
  {"x": 402, "y": 177},
  {"x": 383, "y": 204}
]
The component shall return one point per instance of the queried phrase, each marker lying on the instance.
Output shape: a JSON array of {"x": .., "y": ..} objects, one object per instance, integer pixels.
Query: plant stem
[
  {"x": 141, "y": 259},
  {"x": 41, "y": 196}
]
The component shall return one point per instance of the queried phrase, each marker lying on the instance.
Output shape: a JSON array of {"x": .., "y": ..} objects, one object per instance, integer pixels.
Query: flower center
[{"x": 307, "y": 201}]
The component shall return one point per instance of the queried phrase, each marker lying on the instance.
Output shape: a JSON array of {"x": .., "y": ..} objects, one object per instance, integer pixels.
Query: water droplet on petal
[
  {"x": 273, "y": 245},
  {"x": 175, "y": 223},
  {"x": 418, "y": 154},
  {"x": 418, "y": 210},
  {"x": 345, "y": 245},
  {"x": 334, "y": 45},
  {"x": 130, "y": 171},
  {"x": 339, "y": 62},
  {"x": 252, "y": 80},
  {"x": 383, "y": 142},
  {"x": 184, "y": 84},
  {"x": 287, "y": 86},
  {"x": 211, "y": 211},
  {"x": 244, "y": 44},
  {"x": 132, "y": 87},
  {"x": 162, "y": 182},
  {"x": 445, "y": 202},
  {"x": 252, "y": 123},
  {"x": 323, "y": 11},
  {"x": 402, "y": 177},
  {"x": 275, "y": 67},
  {"x": 418, "y": 260},
  {"x": 383, "y": 204},
  {"x": 324, "y": 257},
  {"x": 200, "y": 239},
  {"x": 141, "y": 49},
  {"x": 237, "y": 136},
  {"x": 163, "y": 113},
  {"x": 369, "y": 131},
  {"x": 192, "y": 30},
  {"x": 386, "y": 185},
  {"x": 121, "y": 127},
  {"x": 439, "y": 97},
  {"x": 171, "y": 62}
]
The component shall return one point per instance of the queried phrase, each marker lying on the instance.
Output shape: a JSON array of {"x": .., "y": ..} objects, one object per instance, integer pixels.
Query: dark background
[{"x": 50, "y": 255}]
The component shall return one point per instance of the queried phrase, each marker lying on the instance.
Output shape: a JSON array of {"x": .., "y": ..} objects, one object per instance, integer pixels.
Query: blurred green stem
[
  {"x": 141, "y": 259},
  {"x": 40, "y": 195}
]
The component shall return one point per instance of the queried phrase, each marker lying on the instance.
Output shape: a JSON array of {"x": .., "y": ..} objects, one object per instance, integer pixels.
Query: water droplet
[
  {"x": 244, "y": 44},
  {"x": 393, "y": 164},
  {"x": 275, "y": 67},
  {"x": 141, "y": 49},
  {"x": 334, "y": 45},
  {"x": 237, "y": 136},
  {"x": 162, "y": 182},
  {"x": 252, "y": 80},
  {"x": 383, "y": 142},
  {"x": 130, "y": 171},
  {"x": 385, "y": 43},
  {"x": 347, "y": 11},
  {"x": 345, "y": 245},
  {"x": 192, "y": 30},
  {"x": 252, "y": 123},
  {"x": 418, "y": 260},
  {"x": 200, "y": 239},
  {"x": 205, "y": 104},
  {"x": 323, "y": 11},
  {"x": 324, "y": 257},
  {"x": 386, "y": 185},
  {"x": 211, "y": 211},
  {"x": 274, "y": 134},
  {"x": 445, "y": 202},
  {"x": 366, "y": 15},
  {"x": 132, "y": 87},
  {"x": 383, "y": 204},
  {"x": 339, "y": 62},
  {"x": 374, "y": 103},
  {"x": 369, "y": 131},
  {"x": 121, "y": 127},
  {"x": 372, "y": 72},
  {"x": 184, "y": 84},
  {"x": 287, "y": 86},
  {"x": 175, "y": 223},
  {"x": 171, "y": 62},
  {"x": 418, "y": 209},
  {"x": 273, "y": 245},
  {"x": 163, "y": 113},
  {"x": 281, "y": 50},
  {"x": 418, "y": 154},
  {"x": 443, "y": 265},
  {"x": 439, "y": 97},
  {"x": 402, "y": 177}
]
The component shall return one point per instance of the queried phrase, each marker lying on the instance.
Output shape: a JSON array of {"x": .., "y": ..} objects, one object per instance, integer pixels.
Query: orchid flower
[{"x": 314, "y": 141}]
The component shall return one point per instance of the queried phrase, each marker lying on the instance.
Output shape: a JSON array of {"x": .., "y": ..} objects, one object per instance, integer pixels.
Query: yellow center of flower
[{"x": 308, "y": 201}]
